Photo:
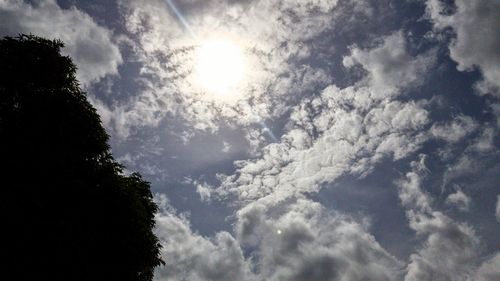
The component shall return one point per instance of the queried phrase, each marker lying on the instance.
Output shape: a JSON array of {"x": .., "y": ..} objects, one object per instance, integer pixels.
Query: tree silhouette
[{"x": 67, "y": 210}]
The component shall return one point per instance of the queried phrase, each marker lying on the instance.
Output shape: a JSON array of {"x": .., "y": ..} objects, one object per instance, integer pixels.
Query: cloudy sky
[{"x": 299, "y": 139}]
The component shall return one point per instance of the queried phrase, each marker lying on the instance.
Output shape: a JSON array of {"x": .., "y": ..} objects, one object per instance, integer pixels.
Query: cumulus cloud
[
  {"x": 349, "y": 141},
  {"x": 450, "y": 249},
  {"x": 300, "y": 239},
  {"x": 472, "y": 49},
  {"x": 389, "y": 66},
  {"x": 279, "y": 233},
  {"x": 90, "y": 45},
  {"x": 190, "y": 256},
  {"x": 291, "y": 240},
  {"x": 340, "y": 131}
]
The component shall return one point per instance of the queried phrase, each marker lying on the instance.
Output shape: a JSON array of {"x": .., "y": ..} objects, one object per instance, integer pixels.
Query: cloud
[
  {"x": 472, "y": 49},
  {"x": 484, "y": 142},
  {"x": 450, "y": 249},
  {"x": 271, "y": 36},
  {"x": 459, "y": 199},
  {"x": 300, "y": 239},
  {"x": 91, "y": 46},
  {"x": 340, "y": 131},
  {"x": 489, "y": 270},
  {"x": 351, "y": 142},
  {"x": 279, "y": 234},
  {"x": 189, "y": 256},
  {"x": 410, "y": 193},
  {"x": 497, "y": 209},
  {"x": 203, "y": 190},
  {"x": 455, "y": 130},
  {"x": 389, "y": 65},
  {"x": 292, "y": 241},
  {"x": 471, "y": 157}
]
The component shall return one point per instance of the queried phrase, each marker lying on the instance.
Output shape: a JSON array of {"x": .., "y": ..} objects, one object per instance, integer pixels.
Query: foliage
[{"x": 69, "y": 212}]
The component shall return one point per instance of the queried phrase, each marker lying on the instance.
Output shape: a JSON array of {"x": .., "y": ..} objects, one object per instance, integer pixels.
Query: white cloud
[
  {"x": 455, "y": 130},
  {"x": 450, "y": 249},
  {"x": 267, "y": 31},
  {"x": 189, "y": 256},
  {"x": 410, "y": 194},
  {"x": 459, "y": 199},
  {"x": 292, "y": 240},
  {"x": 90, "y": 46},
  {"x": 472, "y": 48},
  {"x": 226, "y": 147},
  {"x": 203, "y": 189},
  {"x": 341, "y": 131},
  {"x": 337, "y": 132},
  {"x": 470, "y": 161},
  {"x": 299, "y": 239},
  {"x": 389, "y": 65}
]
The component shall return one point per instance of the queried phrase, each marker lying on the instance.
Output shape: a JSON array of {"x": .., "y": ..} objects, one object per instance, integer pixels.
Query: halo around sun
[{"x": 220, "y": 68}]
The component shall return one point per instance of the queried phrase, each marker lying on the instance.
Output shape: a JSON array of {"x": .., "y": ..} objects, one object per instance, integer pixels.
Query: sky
[{"x": 299, "y": 139}]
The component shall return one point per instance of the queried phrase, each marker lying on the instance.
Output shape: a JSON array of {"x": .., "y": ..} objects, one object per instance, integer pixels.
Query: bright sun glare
[{"x": 220, "y": 67}]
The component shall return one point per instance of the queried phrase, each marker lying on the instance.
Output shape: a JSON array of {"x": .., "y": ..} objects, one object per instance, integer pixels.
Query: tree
[{"x": 68, "y": 211}]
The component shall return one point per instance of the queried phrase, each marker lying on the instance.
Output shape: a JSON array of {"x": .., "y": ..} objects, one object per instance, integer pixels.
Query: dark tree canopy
[{"x": 68, "y": 212}]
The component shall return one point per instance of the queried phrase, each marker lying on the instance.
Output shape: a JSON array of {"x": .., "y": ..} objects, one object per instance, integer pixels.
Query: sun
[{"x": 220, "y": 67}]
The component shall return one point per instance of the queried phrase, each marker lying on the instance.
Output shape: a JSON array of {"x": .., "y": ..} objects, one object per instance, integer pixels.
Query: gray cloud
[
  {"x": 450, "y": 251},
  {"x": 472, "y": 158},
  {"x": 459, "y": 199},
  {"x": 299, "y": 239},
  {"x": 489, "y": 270},
  {"x": 189, "y": 256},
  {"x": 91, "y": 46},
  {"x": 451, "y": 248}
]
